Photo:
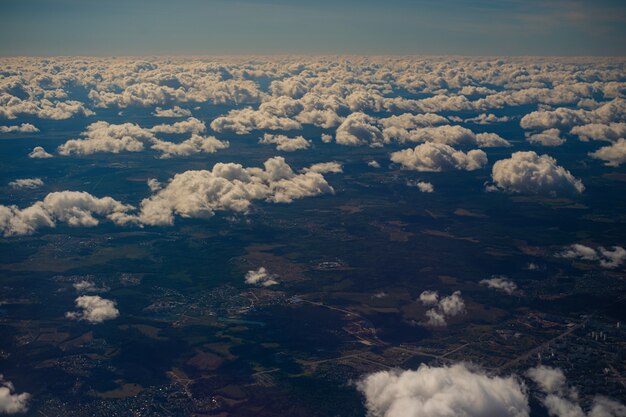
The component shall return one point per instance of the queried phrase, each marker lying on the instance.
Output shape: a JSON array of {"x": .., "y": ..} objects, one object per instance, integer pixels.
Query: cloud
[
  {"x": 243, "y": 121},
  {"x": 93, "y": 309},
  {"x": 229, "y": 187},
  {"x": 500, "y": 284},
  {"x": 176, "y": 111},
  {"x": 23, "y": 128},
  {"x": 487, "y": 119},
  {"x": 529, "y": 173},
  {"x": 561, "y": 400},
  {"x": 437, "y": 157},
  {"x": 129, "y": 137},
  {"x": 373, "y": 164},
  {"x": 446, "y": 134},
  {"x": 11, "y": 402},
  {"x": 358, "y": 129},
  {"x": 423, "y": 186},
  {"x": 457, "y": 390},
  {"x": 445, "y": 307},
  {"x": 614, "y": 155},
  {"x": 195, "y": 144},
  {"x": 105, "y": 137},
  {"x": 73, "y": 208},
  {"x": 607, "y": 258},
  {"x": 324, "y": 167},
  {"x": 549, "y": 137},
  {"x": 563, "y": 117},
  {"x": 260, "y": 277},
  {"x": 284, "y": 143},
  {"x": 30, "y": 183},
  {"x": 84, "y": 286},
  {"x": 597, "y": 131},
  {"x": 39, "y": 152}
]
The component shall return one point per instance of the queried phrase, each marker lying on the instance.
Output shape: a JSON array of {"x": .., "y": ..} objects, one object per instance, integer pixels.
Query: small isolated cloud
[
  {"x": 93, "y": 309},
  {"x": 437, "y": 157},
  {"x": 607, "y": 258},
  {"x": 261, "y": 277},
  {"x": 454, "y": 391},
  {"x": 154, "y": 184},
  {"x": 500, "y": 284},
  {"x": 373, "y": 164},
  {"x": 284, "y": 143},
  {"x": 30, "y": 183},
  {"x": 23, "y": 128},
  {"x": 487, "y": 119},
  {"x": 529, "y": 173},
  {"x": 549, "y": 137},
  {"x": 614, "y": 155},
  {"x": 325, "y": 167},
  {"x": 195, "y": 144},
  {"x": 39, "y": 152},
  {"x": 175, "y": 111},
  {"x": 445, "y": 307},
  {"x": 561, "y": 400},
  {"x": 423, "y": 186},
  {"x": 85, "y": 286},
  {"x": 10, "y": 401}
]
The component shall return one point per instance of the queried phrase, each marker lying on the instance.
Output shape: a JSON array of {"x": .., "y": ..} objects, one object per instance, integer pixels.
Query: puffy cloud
[
  {"x": 373, "y": 164},
  {"x": 564, "y": 117},
  {"x": 446, "y": 134},
  {"x": 527, "y": 172},
  {"x": 423, "y": 186},
  {"x": 128, "y": 137},
  {"x": 191, "y": 125},
  {"x": 549, "y": 137},
  {"x": 487, "y": 119},
  {"x": 195, "y": 144},
  {"x": 229, "y": 187},
  {"x": 284, "y": 143},
  {"x": 437, "y": 157},
  {"x": 39, "y": 152},
  {"x": 260, "y": 277},
  {"x": 358, "y": 129},
  {"x": 324, "y": 167},
  {"x": 410, "y": 121},
  {"x": 154, "y": 184},
  {"x": 84, "y": 286},
  {"x": 561, "y": 400},
  {"x": 453, "y": 391},
  {"x": 10, "y": 401},
  {"x": 607, "y": 258},
  {"x": 445, "y": 307},
  {"x": 614, "y": 155},
  {"x": 94, "y": 309},
  {"x": 105, "y": 137},
  {"x": 71, "y": 207},
  {"x": 244, "y": 121},
  {"x": 175, "y": 111},
  {"x": 23, "y": 128},
  {"x": 598, "y": 131},
  {"x": 500, "y": 284},
  {"x": 26, "y": 183}
]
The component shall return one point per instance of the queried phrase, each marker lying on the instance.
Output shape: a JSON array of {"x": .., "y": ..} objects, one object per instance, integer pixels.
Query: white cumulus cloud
[
  {"x": 437, "y": 157},
  {"x": 93, "y": 309}
]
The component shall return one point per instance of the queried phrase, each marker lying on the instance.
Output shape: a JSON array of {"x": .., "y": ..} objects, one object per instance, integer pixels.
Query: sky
[{"x": 196, "y": 27}]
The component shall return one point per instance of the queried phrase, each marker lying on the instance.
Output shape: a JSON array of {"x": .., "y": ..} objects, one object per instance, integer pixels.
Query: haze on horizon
[{"x": 194, "y": 27}]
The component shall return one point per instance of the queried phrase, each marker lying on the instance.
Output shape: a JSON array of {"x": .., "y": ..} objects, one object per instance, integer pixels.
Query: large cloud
[
  {"x": 229, "y": 187},
  {"x": 446, "y": 134},
  {"x": 359, "y": 129},
  {"x": 529, "y": 173},
  {"x": 23, "y": 128},
  {"x": 71, "y": 207},
  {"x": 94, "y": 309},
  {"x": 10, "y": 401},
  {"x": 452, "y": 391},
  {"x": 437, "y": 157}
]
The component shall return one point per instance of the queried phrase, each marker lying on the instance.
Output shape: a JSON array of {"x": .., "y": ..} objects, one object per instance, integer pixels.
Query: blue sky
[{"x": 148, "y": 27}]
